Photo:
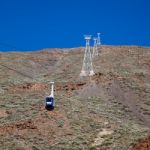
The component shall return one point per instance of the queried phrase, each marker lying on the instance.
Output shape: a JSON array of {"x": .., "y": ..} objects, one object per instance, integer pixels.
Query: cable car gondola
[{"x": 49, "y": 100}]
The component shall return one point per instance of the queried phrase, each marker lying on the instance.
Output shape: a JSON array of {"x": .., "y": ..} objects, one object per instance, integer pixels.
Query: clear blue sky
[{"x": 37, "y": 24}]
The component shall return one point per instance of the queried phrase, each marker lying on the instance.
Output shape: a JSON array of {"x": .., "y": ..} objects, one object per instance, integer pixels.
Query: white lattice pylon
[
  {"x": 98, "y": 39},
  {"x": 95, "y": 50},
  {"x": 87, "y": 67}
]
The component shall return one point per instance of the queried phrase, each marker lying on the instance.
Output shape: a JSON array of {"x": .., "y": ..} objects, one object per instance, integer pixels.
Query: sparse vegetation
[{"x": 115, "y": 99}]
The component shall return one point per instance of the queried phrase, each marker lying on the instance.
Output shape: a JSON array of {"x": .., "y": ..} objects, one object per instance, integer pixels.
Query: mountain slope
[{"x": 110, "y": 110}]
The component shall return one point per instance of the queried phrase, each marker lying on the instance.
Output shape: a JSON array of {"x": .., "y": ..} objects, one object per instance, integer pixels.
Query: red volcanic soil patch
[
  {"x": 11, "y": 128},
  {"x": 42, "y": 86},
  {"x": 103, "y": 78},
  {"x": 142, "y": 144},
  {"x": 30, "y": 86},
  {"x": 69, "y": 86},
  {"x": 3, "y": 113}
]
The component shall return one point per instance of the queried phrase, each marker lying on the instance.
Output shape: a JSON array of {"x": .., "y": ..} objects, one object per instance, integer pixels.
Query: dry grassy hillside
[{"x": 109, "y": 111}]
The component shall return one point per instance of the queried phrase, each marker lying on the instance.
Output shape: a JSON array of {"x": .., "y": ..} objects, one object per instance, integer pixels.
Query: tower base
[
  {"x": 91, "y": 73},
  {"x": 83, "y": 73}
]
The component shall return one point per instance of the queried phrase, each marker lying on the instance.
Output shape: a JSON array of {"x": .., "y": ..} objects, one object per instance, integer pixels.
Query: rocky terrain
[{"x": 108, "y": 111}]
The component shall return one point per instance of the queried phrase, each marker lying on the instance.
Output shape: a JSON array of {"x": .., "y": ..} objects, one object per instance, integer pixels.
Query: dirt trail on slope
[
  {"x": 128, "y": 99},
  {"x": 91, "y": 90}
]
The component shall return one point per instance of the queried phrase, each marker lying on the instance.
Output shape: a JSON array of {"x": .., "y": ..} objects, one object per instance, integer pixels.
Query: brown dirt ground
[
  {"x": 142, "y": 144},
  {"x": 41, "y": 125},
  {"x": 102, "y": 85},
  {"x": 3, "y": 113}
]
